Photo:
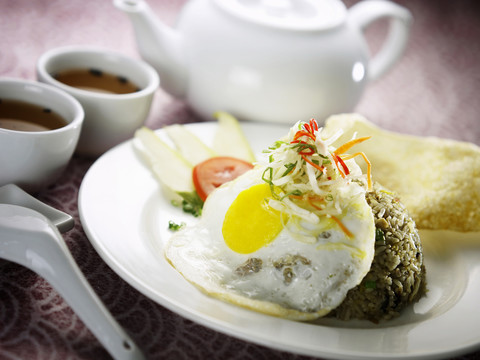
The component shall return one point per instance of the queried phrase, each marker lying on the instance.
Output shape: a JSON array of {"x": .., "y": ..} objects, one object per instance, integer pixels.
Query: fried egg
[{"x": 246, "y": 251}]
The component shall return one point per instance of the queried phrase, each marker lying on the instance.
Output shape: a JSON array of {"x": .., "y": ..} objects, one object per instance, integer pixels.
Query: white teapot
[{"x": 269, "y": 60}]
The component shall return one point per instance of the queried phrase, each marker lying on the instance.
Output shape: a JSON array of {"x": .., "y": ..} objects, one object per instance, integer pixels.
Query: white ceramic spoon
[
  {"x": 12, "y": 194},
  {"x": 29, "y": 238}
]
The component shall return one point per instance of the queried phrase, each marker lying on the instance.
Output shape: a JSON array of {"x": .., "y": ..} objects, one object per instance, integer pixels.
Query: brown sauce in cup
[
  {"x": 23, "y": 116},
  {"x": 96, "y": 80}
]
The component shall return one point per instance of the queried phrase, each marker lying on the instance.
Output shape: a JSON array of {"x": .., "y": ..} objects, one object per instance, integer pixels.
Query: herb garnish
[
  {"x": 290, "y": 168},
  {"x": 174, "y": 226},
  {"x": 191, "y": 203}
]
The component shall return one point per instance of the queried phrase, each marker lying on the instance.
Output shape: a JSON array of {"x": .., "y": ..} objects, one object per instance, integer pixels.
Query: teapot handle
[{"x": 364, "y": 13}]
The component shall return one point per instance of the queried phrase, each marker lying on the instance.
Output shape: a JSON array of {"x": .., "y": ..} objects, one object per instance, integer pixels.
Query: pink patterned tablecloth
[{"x": 434, "y": 90}]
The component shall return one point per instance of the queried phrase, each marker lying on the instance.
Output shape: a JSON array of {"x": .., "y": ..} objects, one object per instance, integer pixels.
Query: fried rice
[{"x": 397, "y": 276}]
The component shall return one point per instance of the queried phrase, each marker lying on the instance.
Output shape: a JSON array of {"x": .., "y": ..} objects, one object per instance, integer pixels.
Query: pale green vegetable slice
[
  {"x": 229, "y": 140},
  {"x": 189, "y": 145},
  {"x": 168, "y": 165}
]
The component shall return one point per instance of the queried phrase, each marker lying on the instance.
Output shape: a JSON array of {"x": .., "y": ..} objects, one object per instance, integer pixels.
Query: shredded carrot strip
[
  {"x": 342, "y": 226},
  {"x": 312, "y": 199},
  {"x": 369, "y": 166},
  {"x": 318, "y": 167},
  {"x": 308, "y": 131},
  {"x": 311, "y": 202},
  {"x": 345, "y": 147},
  {"x": 304, "y": 133},
  {"x": 318, "y": 198},
  {"x": 297, "y": 197}
]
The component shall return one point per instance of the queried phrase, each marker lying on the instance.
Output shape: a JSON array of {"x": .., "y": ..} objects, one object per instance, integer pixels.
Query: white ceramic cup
[
  {"x": 33, "y": 160},
  {"x": 109, "y": 118}
]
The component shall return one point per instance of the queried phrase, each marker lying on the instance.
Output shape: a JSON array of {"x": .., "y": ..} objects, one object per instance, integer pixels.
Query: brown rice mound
[{"x": 397, "y": 275}]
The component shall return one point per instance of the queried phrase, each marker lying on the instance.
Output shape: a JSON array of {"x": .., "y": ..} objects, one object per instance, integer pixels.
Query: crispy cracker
[{"x": 438, "y": 180}]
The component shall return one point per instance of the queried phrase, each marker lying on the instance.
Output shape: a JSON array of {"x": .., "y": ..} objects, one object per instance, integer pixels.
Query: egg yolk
[{"x": 250, "y": 223}]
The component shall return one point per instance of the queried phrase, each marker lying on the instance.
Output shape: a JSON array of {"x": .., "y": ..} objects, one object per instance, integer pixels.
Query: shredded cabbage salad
[{"x": 305, "y": 172}]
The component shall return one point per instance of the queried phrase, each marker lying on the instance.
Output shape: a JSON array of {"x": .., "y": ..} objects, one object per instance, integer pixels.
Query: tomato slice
[{"x": 213, "y": 172}]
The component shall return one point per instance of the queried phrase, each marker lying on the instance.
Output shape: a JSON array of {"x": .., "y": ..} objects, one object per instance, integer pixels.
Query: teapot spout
[{"x": 158, "y": 44}]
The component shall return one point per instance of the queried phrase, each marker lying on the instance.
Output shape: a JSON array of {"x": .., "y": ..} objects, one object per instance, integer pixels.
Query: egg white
[{"x": 336, "y": 263}]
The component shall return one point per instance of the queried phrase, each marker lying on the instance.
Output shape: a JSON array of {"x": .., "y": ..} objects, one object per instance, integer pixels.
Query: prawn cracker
[{"x": 438, "y": 180}]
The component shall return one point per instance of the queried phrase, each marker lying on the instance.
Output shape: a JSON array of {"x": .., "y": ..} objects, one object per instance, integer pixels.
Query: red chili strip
[
  {"x": 335, "y": 158},
  {"x": 307, "y": 151},
  {"x": 307, "y": 127},
  {"x": 344, "y": 166}
]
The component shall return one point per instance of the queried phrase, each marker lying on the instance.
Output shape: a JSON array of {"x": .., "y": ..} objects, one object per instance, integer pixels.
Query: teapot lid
[{"x": 288, "y": 14}]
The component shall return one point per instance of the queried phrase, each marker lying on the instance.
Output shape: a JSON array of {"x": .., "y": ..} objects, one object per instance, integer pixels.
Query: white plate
[{"x": 125, "y": 215}]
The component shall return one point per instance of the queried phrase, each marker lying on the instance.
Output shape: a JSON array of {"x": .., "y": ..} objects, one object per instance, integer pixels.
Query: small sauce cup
[
  {"x": 84, "y": 72},
  {"x": 35, "y": 158}
]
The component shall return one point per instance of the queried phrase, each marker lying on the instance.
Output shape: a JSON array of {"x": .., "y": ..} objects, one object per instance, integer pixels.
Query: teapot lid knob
[{"x": 288, "y": 14}]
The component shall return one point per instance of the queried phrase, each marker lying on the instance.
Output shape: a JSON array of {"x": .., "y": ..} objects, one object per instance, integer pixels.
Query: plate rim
[{"x": 215, "y": 324}]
